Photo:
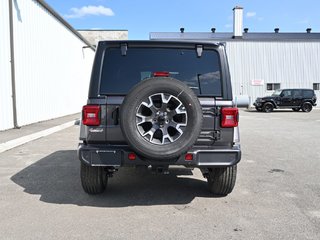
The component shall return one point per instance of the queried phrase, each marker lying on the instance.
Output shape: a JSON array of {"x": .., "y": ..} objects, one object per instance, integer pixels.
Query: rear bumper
[{"x": 100, "y": 155}]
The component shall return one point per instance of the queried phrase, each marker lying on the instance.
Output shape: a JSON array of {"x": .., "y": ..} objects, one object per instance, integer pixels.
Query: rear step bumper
[{"x": 101, "y": 155}]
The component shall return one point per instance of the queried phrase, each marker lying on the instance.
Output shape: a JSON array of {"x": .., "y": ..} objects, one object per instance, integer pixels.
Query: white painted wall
[
  {"x": 293, "y": 64},
  {"x": 6, "y": 115},
  {"x": 94, "y": 36},
  {"x": 52, "y": 68}
]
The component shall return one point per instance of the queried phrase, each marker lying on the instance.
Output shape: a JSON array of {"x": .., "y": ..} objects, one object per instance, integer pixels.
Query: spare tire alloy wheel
[{"x": 161, "y": 118}]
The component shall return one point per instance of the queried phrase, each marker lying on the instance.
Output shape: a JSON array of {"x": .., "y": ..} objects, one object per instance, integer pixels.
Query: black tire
[
  {"x": 93, "y": 179},
  {"x": 296, "y": 109},
  {"x": 221, "y": 181},
  {"x": 306, "y": 107},
  {"x": 259, "y": 109},
  {"x": 268, "y": 107},
  {"x": 176, "y": 90}
]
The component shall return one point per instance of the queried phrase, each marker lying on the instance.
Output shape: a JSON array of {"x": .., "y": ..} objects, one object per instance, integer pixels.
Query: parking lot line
[{"x": 22, "y": 140}]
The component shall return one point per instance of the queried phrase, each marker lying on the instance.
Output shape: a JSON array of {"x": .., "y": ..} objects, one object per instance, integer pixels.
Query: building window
[
  {"x": 273, "y": 86},
  {"x": 316, "y": 86}
]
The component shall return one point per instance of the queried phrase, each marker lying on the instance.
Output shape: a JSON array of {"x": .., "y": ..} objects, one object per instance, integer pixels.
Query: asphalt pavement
[{"x": 277, "y": 193}]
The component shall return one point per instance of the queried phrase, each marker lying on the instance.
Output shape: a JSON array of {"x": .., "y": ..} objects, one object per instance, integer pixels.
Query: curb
[{"x": 25, "y": 139}]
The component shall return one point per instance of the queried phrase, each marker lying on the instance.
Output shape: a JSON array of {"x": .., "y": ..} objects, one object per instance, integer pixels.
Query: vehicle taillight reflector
[
  {"x": 229, "y": 117},
  {"x": 161, "y": 74},
  {"x": 188, "y": 157},
  {"x": 132, "y": 156},
  {"x": 91, "y": 115}
]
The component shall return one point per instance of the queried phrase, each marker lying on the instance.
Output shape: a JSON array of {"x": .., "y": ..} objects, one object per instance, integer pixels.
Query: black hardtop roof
[
  {"x": 309, "y": 89},
  {"x": 162, "y": 42}
]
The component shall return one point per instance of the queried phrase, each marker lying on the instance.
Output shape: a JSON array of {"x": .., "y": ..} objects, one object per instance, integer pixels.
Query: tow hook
[
  {"x": 160, "y": 170},
  {"x": 110, "y": 171}
]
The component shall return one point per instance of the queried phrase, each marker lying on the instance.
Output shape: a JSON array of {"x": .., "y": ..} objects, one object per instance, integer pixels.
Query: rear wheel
[
  {"x": 296, "y": 109},
  {"x": 306, "y": 107},
  {"x": 221, "y": 181},
  {"x": 93, "y": 179},
  {"x": 268, "y": 107}
]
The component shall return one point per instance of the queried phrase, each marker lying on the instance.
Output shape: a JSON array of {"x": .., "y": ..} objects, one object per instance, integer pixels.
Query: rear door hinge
[
  {"x": 216, "y": 135},
  {"x": 213, "y": 111}
]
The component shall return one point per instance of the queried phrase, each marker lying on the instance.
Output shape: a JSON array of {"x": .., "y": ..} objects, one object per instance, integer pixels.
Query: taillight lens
[
  {"x": 91, "y": 115},
  {"x": 188, "y": 157},
  {"x": 132, "y": 156},
  {"x": 229, "y": 117},
  {"x": 161, "y": 74}
]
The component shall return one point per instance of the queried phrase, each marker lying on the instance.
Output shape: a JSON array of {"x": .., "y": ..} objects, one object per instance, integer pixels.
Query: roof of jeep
[
  {"x": 308, "y": 89},
  {"x": 164, "y": 42}
]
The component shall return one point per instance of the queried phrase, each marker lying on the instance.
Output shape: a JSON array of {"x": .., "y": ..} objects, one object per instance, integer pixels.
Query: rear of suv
[
  {"x": 159, "y": 104},
  {"x": 294, "y": 99}
]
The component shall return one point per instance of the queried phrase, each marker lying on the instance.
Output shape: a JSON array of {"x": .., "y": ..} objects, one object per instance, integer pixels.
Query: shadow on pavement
[
  {"x": 274, "y": 111},
  {"x": 56, "y": 178}
]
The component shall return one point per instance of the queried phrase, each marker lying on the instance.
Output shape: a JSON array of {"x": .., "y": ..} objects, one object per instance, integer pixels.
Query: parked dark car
[
  {"x": 156, "y": 104},
  {"x": 295, "y": 99}
]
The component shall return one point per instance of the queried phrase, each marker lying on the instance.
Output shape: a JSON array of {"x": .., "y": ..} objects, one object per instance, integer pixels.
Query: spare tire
[{"x": 161, "y": 118}]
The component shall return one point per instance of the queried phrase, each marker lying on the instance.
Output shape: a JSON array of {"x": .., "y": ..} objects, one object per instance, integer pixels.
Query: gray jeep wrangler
[{"x": 157, "y": 104}]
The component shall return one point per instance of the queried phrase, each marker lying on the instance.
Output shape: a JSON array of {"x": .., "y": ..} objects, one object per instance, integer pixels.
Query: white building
[
  {"x": 45, "y": 65},
  {"x": 262, "y": 62},
  {"x": 94, "y": 36}
]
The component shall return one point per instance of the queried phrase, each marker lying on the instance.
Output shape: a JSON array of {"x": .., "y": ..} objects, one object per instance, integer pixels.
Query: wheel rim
[
  {"x": 307, "y": 107},
  {"x": 268, "y": 108},
  {"x": 161, "y": 118}
]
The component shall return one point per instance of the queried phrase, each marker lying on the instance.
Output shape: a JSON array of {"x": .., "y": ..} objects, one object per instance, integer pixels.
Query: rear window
[{"x": 121, "y": 73}]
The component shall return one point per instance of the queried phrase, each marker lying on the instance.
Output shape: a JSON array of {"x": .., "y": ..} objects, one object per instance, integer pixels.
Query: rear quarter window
[
  {"x": 121, "y": 73},
  {"x": 307, "y": 93}
]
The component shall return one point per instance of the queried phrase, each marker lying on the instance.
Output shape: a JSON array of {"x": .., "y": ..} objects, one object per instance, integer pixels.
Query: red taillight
[
  {"x": 229, "y": 117},
  {"x": 161, "y": 74},
  {"x": 91, "y": 115}
]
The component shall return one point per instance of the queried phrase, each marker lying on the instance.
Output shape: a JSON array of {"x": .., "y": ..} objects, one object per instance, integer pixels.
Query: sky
[{"x": 140, "y": 17}]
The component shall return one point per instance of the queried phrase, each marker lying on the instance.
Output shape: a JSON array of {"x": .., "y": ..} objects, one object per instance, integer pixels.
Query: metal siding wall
[
  {"x": 293, "y": 64},
  {"x": 52, "y": 69},
  {"x": 6, "y": 115}
]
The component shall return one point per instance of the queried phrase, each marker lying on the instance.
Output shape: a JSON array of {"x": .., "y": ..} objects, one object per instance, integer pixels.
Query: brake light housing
[
  {"x": 91, "y": 115},
  {"x": 161, "y": 74},
  {"x": 229, "y": 117}
]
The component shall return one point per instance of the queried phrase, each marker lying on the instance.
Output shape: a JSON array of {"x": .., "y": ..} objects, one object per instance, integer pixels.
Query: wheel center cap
[{"x": 161, "y": 120}]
